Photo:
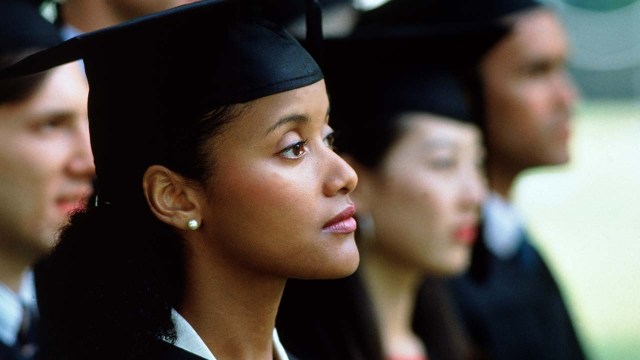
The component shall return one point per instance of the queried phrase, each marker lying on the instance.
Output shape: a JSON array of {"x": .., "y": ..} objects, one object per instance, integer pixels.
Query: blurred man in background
[{"x": 510, "y": 302}]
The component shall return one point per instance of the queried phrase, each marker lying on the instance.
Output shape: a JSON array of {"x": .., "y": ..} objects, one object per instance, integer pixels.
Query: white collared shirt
[
  {"x": 189, "y": 340},
  {"x": 503, "y": 226},
  {"x": 11, "y": 308}
]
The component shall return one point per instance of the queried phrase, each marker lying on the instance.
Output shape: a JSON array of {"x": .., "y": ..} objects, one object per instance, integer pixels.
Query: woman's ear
[
  {"x": 171, "y": 198},
  {"x": 363, "y": 193}
]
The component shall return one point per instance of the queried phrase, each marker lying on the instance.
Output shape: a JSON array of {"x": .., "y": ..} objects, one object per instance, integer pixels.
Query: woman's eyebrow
[{"x": 297, "y": 118}]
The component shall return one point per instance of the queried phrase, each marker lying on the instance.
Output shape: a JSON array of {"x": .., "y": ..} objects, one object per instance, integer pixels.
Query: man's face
[
  {"x": 46, "y": 165},
  {"x": 529, "y": 96}
]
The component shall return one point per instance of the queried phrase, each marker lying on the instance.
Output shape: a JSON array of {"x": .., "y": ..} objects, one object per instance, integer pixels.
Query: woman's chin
[{"x": 339, "y": 265}]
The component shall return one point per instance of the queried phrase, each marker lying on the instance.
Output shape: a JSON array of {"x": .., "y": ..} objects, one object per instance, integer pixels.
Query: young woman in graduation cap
[
  {"x": 216, "y": 182},
  {"x": 412, "y": 135}
]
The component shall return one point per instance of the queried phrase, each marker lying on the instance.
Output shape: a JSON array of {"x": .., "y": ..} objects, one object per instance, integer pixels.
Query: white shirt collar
[
  {"x": 189, "y": 340},
  {"x": 11, "y": 307},
  {"x": 10, "y": 315},
  {"x": 27, "y": 291},
  {"x": 503, "y": 226},
  {"x": 68, "y": 31}
]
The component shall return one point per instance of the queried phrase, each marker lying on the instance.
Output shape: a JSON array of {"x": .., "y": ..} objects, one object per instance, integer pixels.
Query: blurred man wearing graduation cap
[
  {"x": 46, "y": 168},
  {"x": 216, "y": 182},
  {"x": 509, "y": 300},
  {"x": 517, "y": 310}
]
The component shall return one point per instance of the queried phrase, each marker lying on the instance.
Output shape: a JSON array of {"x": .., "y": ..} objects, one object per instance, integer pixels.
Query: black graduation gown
[
  {"x": 164, "y": 351},
  {"x": 513, "y": 308},
  {"x": 8, "y": 353}
]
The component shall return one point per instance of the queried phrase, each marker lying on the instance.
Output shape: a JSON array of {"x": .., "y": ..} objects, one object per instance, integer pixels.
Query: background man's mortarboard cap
[
  {"x": 152, "y": 78},
  {"x": 22, "y": 28}
]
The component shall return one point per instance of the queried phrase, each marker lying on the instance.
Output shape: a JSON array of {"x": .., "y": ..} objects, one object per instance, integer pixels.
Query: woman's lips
[
  {"x": 343, "y": 223},
  {"x": 466, "y": 234}
]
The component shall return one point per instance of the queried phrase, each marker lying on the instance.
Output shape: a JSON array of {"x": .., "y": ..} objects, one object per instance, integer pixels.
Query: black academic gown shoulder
[
  {"x": 8, "y": 353},
  {"x": 513, "y": 308},
  {"x": 165, "y": 351}
]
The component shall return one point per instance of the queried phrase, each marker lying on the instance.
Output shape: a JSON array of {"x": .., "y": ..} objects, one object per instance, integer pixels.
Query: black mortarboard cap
[
  {"x": 405, "y": 69},
  {"x": 22, "y": 28},
  {"x": 372, "y": 79},
  {"x": 443, "y": 12},
  {"x": 150, "y": 79}
]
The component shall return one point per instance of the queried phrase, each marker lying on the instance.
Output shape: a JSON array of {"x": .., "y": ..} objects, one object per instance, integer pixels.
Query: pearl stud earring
[{"x": 193, "y": 224}]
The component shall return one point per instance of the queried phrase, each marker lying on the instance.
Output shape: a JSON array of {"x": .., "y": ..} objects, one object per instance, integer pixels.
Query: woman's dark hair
[
  {"x": 117, "y": 271},
  {"x": 335, "y": 319},
  {"x": 21, "y": 88},
  {"x": 329, "y": 319},
  {"x": 369, "y": 116}
]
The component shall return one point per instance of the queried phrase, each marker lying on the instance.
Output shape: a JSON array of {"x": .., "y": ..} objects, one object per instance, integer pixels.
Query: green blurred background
[
  {"x": 586, "y": 216},
  {"x": 586, "y": 219}
]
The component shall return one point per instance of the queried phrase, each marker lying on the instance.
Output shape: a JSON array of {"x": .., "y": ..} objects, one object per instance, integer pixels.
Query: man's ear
[
  {"x": 171, "y": 198},
  {"x": 363, "y": 195}
]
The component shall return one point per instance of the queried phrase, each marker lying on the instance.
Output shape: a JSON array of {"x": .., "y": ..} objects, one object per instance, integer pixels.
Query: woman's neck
[
  {"x": 393, "y": 288},
  {"x": 232, "y": 310}
]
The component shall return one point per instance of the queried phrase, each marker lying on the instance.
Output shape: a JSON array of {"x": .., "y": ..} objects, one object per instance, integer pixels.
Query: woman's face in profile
[
  {"x": 427, "y": 193},
  {"x": 278, "y": 201}
]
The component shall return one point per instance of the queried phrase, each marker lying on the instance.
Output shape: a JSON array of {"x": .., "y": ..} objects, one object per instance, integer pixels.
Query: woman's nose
[{"x": 340, "y": 177}]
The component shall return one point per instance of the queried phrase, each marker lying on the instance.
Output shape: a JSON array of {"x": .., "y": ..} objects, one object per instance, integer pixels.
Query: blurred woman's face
[
  {"x": 425, "y": 197},
  {"x": 278, "y": 202},
  {"x": 46, "y": 165}
]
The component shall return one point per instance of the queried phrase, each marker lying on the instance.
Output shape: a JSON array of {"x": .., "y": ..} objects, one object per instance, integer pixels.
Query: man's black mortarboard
[
  {"x": 150, "y": 79},
  {"x": 22, "y": 28}
]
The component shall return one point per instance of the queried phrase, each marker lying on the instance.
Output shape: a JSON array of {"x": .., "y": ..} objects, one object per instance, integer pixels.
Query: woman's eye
[
  {"x": 330, "y": 140},
  {"x": 295, "y": 151}
]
